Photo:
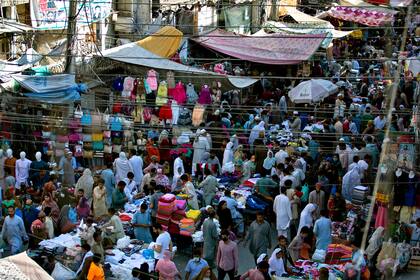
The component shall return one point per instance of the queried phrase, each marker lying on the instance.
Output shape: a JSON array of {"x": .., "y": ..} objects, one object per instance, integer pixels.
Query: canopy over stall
[
  {"x": 134, "y": 54},
  {"x": 51, "y": 89},
  {"x": 361, "y": 12},
  {"x": 165, "y": 42},
  {"x": 271, "y": 49},
  {"x": 306, "y": 24}
]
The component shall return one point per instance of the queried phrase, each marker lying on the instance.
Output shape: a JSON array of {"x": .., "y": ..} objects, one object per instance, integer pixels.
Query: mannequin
[
  {"x": 2, "y": 159},
  {"x": 10, "y": 163},
  {"x": 22, "y": 170},
  {"x": 38, "y": 173}
]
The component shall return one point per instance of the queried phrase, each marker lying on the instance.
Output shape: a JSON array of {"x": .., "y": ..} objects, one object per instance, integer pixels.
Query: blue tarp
[{"x": 57, "y": 97}]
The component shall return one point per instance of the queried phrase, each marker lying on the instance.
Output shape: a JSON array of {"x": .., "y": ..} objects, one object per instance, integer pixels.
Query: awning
[
  {"x": 306, "y": 24},
  {"x": 22, "y": 267},
  {"x": 134, "y": 54},
  {"x": 165, "y": 42},
  {"x": 273, "y": 49},
  {"x": 11, "y": 26},
  {"x": 361, "y": 12},
  {"x": 42, "y": 84}
]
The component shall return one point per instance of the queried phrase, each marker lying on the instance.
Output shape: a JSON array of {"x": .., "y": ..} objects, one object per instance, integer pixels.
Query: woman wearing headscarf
[
  {"x": 255, "y": 133},
  {"x": 49, "y": 202},
  {"x": 164, "y": 146},
  {"x": 269, "y": 163},
  {"x": 306, "y": 217},
  {"x": 121, "y": 167},
  {"x": 276, "y": 263},
  {"x": 162, "y": 180},
  {"x": 228, "y": 154},
  {"x": 375, "y": 244},
  {"x": 68, "y": 218},
  {"x": 83, "y": 208},
  {"x": 200, "y": 145},
  {"x": 86, "y": 184},
  {"x": 166, "y": 268}
]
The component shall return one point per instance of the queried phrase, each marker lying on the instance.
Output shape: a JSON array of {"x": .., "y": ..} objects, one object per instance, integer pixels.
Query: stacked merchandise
[
  {"x": 360, "y": 194},
  {"x": 177, "y": 216},
  {"x": 194, "y": 215},
  {"x": 166, "y": 206},
  {"x": 338, "y": 254},
  {"x": 187, "y": 227}
]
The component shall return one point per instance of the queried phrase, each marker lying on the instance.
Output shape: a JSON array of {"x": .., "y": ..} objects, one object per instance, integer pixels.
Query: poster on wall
[{"x": 53, "y": 14}]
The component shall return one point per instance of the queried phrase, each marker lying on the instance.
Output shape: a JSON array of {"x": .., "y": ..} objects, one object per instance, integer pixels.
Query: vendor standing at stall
[{"x": 142, "y": 222}]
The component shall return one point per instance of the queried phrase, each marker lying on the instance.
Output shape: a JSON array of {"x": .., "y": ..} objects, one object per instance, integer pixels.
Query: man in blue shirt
[
  {"x": 29, "y": 213},
  {"x": 195, "y": 265},
  {"x": 109, "y": 178},
  {"x": 236, "y": 215}
]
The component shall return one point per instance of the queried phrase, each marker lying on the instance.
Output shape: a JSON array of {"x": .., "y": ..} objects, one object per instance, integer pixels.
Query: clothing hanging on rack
[{"x": 205, "y": 95}]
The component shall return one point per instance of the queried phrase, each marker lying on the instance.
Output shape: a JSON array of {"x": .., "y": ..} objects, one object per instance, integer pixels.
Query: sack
[
  {"x": 184, "y": 117},
  {"x": 116, "y": 149},
  {"x": 62, "y": 138},
  {"x": 97, "y": 137},
  {"x": 87, "y": 137},
  {"x": 78, "y": 151},
  {"x": 78, "y": 113},
  {"x": 88, "y": 154},
  {"x": 98, "y": 145},
  {"x": 255, "y": 203},
  {"x": 105, "y": 117},
  {"x": 75, "y": 137},
  {"x": 74, "y": 123},
  {"x": 107, "y": 134},
  {"x": 107, "y": 149},
  {"x": 147, "y": 114},
  {"x": 116, "y": 124},
  {"x": 61, "y": 272},
  {"x": 96, "y": 118},
  {"x": 86, "y": 119},
  {"x": 123, "y": 242}
]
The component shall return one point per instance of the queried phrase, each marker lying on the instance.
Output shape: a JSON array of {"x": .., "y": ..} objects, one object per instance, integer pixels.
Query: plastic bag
[
  {"x": 123, "y": 242},
  {"x": 61, "y": 272},
  {"x": 319, "y": 255}
]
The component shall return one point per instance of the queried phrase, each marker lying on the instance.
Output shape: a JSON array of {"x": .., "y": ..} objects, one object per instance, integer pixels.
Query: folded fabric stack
[
  {"x": 187, "y": 227},
  {"x": 338, "y": 254},
  {"x": 179, "y": 213},
  {"x": 359, "y": 196},
  {"x": 194, "y": 215},
  {"x": 166, "y": 206}
]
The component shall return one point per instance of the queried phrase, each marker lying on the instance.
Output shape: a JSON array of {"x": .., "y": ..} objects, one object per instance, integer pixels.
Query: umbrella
[{"x": 312, "y": 91}]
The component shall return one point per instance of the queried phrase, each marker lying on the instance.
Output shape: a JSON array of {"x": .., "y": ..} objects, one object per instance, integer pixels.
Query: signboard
[{"x": 53, "y": 14}]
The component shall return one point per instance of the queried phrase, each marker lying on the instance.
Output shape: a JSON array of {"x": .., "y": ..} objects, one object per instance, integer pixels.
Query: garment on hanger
[
  {"x": 205, "y": 95},
  {"x": 152, "y": 79},
  {"x": 400, "y": 187},
  {"x": 128, "y": 87},
  {"x": 191, "y": 94},
  {"x": 179, "y": 94},
  {"x": 118, "y": 84},
  {"x": 162, "y": 94},
  {"x": 381, "y": 217},
  {"x": 170, "y": 79},
  {"x": 165, "y": 112},
  {"x": 198, "y": 115},
  {"x": 175, "y": 112},
  {"x": 133, "y": 93}
]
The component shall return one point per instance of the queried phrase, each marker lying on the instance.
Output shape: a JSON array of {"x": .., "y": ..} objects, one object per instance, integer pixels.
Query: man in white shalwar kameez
[
  {"x": 178, "y": 169},
  {"x": 201, "y": 145},
  {"x": 283, "y": 211}
]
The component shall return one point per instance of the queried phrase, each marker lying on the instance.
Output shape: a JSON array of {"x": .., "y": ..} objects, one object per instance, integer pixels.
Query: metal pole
[{"x": 71, "y": 30}]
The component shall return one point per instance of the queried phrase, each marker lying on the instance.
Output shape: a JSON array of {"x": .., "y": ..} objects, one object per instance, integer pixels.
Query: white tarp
[
  {"x": 43, "y": 84},
  {"x": 134, "y": 54},
  {"x": 22, "y": 267}
]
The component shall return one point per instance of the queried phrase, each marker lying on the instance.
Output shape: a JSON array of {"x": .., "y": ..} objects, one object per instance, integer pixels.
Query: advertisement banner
[{"x": 53, "y": 14}]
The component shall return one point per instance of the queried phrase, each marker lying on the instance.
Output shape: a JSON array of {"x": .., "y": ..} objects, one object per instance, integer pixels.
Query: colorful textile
[
  {"x": 361, "y": 15},
  {"x": 289, "y": 49}
]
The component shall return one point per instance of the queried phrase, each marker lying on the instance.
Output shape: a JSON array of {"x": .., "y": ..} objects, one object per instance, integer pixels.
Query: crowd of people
[{"x": 304, "y": 165}]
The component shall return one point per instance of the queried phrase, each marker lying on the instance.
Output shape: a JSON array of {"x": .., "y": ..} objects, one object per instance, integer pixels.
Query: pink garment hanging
[
  {"x": 381, "y": 217},
  {"x": 205, "y": 95},
  {"x": 152, "y": 79},
  {"x": 178, "y": 93}
]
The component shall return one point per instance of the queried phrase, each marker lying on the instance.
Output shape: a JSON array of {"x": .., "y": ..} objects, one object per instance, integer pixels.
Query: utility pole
[{"x": 71, "y": 30}]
